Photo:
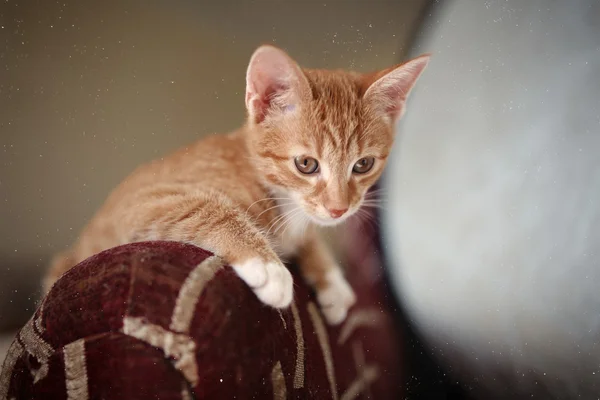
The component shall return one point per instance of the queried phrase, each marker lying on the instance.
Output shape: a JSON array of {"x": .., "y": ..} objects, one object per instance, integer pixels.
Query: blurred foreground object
[{"x": 492, "y": 232}]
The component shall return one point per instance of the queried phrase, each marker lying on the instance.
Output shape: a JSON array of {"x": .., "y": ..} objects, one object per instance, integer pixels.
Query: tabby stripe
[
  {"x": 14, "y": 352},
  {"x": 37, "y": 347},
  {"x": 299, "y": 373},
  {"x": 278, "y": 381},
  {"x": 271, "y": 155},
  {"x": 321, "y": 331},
  {"x": 190, "y": 211},
  {"x": 368, "y": 317},
  {"x": 190, "y": 292},
  {"x": 333, "y": 138},
  {"x": 76, "y": 377},
  {"x": 174, "y": 345},
  {"x": 221, "y": 220}
]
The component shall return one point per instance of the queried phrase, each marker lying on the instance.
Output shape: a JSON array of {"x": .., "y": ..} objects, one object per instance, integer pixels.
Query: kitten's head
[{"x": 322, "y": 138}]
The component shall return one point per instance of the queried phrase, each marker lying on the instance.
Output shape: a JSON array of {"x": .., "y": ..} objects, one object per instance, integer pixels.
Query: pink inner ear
[
  {"x": 275, "y": 84},
  {"x": 396, "y": 98},
  {"x": 389, "y": 95},
  {"x": 391, "y": 90},
  {"x": 263, "y": 99}
]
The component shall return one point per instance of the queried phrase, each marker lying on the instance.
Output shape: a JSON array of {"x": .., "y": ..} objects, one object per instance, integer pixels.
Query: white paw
[
  {"x": 336, "y": 298},
  {"x": 271, "y": 281}
]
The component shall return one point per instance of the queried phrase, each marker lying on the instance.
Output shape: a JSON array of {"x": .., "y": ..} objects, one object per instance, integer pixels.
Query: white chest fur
[{"x": 289, "y": 229}]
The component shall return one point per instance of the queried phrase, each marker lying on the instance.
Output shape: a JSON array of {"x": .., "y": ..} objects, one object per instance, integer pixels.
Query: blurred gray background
[{"x": 90, "y": 89}]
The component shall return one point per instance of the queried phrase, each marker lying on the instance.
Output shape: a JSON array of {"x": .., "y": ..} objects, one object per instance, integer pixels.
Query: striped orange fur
[{"x": 250, "y": 196}]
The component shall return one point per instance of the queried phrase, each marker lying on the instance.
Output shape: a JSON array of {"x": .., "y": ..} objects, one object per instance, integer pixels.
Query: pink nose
[{"x": 337, "y": 213}]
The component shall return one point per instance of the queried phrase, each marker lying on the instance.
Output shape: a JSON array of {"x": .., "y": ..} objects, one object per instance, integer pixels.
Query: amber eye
[
  {"x": 363, "y": 165},
  {"x": 306, "y": 165}
]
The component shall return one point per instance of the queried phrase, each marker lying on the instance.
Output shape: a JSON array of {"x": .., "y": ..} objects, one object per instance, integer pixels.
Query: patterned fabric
[{"x": 165, "y": 320}]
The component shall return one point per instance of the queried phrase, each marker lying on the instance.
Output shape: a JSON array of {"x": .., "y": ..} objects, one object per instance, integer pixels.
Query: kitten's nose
[{"x": 337, "y": 213}]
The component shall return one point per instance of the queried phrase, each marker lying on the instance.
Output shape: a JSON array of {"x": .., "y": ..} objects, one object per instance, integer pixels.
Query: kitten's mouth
[{"x": 331, "y": 221}]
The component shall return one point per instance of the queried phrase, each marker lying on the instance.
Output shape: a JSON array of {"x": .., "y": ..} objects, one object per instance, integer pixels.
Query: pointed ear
[
  {"x": 388, "y": 90},
  {"x": 274, "y": 84}
]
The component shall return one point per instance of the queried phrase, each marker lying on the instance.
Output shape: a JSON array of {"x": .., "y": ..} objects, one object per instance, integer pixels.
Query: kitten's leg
[
  {"x": 321, "y": 271},
  {"x": 216, "y": 224}
]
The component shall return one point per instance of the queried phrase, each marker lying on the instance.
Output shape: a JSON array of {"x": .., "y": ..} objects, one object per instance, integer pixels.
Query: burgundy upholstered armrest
[{"x": 170, "y": 321}]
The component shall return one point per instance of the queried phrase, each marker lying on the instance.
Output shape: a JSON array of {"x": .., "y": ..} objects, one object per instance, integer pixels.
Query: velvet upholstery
[{"x": 168, "y": 320}]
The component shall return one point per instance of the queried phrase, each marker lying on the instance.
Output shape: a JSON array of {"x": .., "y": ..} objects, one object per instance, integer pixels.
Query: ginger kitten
[{"x": 315, "y": 141}]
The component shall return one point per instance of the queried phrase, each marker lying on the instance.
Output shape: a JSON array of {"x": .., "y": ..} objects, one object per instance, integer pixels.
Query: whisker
[
  {"x": 376, "y": 196},
  {"x": 288, "y": 221},
  {"x": 373, "y": 205},
  {"x": 375, "y": 201},
  {"x": 380, "y": 190},
  {"x": 305, "y": 226},
  {"x": 365, "y": 216},
  {"x": 275, "y": 221},
  {"x": 280, "y": 218},
  {"x": 371, "y": 222},
  {"x": 275, "y": 206},
  {"x": 265, "y": 199},
  {"x": 375, "y": 193}
]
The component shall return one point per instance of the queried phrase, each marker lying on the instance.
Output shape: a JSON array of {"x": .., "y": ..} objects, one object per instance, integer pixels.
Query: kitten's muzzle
[{"x": 337, "y": 213}]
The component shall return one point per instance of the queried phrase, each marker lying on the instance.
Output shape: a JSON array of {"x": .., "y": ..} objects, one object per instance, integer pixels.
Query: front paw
[
  {"x": 270, "y": 280},
  {"x": 336, "y": 297}
]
